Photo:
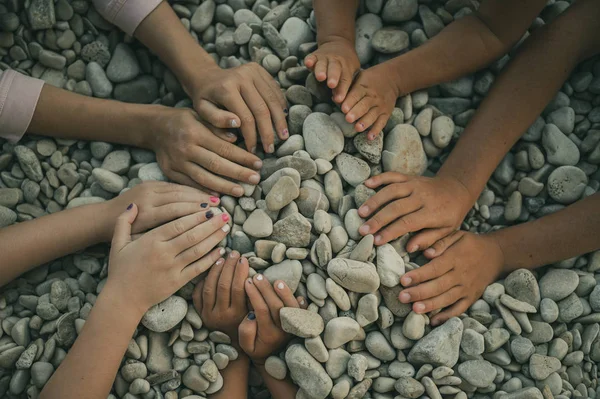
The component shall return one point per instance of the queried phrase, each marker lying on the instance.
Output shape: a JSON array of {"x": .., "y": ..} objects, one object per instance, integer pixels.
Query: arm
[
  {"x": 235, "y": 379},
  {"x": 335, "y": 20},
  {"x": 280, "y": 389}
]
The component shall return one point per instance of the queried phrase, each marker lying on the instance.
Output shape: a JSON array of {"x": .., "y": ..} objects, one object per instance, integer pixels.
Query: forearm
[
  {"x": 164, "y": 34},
  {"x": 335, "y": 19},
  {"x": 55, "y": 235},
  {"x": 63, "y": 114},
  {"x": 235, "y": 379},
  {"x": 280, "y": 389},
  {"x": 90, "y": 367},
  {"x": 570, "y": 232},
  {"x": 521, "y": 93}
]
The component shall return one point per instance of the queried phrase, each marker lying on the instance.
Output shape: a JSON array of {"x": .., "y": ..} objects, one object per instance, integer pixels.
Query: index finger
[
  {"x": 386, "y": 178},
  {"x": 177, "y": 227},
  {"x": 261, "y": 309},
  {"x": 233, "y": 153},
  {"x": 234, "y": 102}
]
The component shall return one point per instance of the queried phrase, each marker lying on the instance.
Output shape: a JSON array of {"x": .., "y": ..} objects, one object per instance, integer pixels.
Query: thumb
[
  {"x": 217, "y": 116},
  {"x": 122, "y": 234},
  {"x": 247, "y": 332}
]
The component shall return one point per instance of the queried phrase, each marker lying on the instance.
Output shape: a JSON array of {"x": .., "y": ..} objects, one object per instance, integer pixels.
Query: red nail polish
[
  {"x": 225, "y": 217},
  {"x": 214, "y": 199}
]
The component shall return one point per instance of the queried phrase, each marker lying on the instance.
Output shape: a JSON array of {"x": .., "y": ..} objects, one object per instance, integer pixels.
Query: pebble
[
  {"x": 557, "y": 284},
  {"x": 409, "y": 387},
  {"x": 479, "y": 373},
  {"x": 353, "y": 170},
  {"x": 522, "y": 285},
  {"x": 403, "y": 151},
  {"x": 276, "y": 367},
  {"x": 560, "y": 150},
  {"x": 566, "y": 184},
  {"x": 390, "y": 40},
  {"x": 307, "y": 373},
  {"x": 440, "y": 347},
  {"x": 301, "y": 323},
  {"x": 165, "y": 315},
  {"x": 541, "y": 367},
  {"x": 99, "y": 83},
  {"x": 353, "y": 275},
  {"x": 258, "y": 224},
  {"x": 339, "y": 331},
  {"x": 288, "y": 271}
]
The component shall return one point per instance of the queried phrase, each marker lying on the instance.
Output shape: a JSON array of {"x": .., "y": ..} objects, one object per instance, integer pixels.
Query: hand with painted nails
[
  {"x": 260, "y": 332},
  {"x": 336, "y": 62},
  {"x": 432, "y": 206},
  {"x": 462, "y": 265},
  {"x": 190, "y": 153},
  {"x": 244, "y": 97},
  {"x": 371, "y": 100},
  {"x": 220, "y": 299},
  {"x": 150, "y": 269}
]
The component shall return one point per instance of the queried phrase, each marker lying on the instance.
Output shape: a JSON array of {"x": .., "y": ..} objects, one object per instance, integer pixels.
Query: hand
[
  {"x": 371, "y": 100},
  {"x": 191, "y": 154},
  {"x": 462, "y": 266},
  {"x": 260, "y": 333},
  {"x": 150, "y": 269},
  {"x": 436, "y": 205},
  {"x": 220, "y": 299},
  {"x": 157, "y": 203},
  {"x": 252, "y": 98},
  {"x": 336, "y": 61}
]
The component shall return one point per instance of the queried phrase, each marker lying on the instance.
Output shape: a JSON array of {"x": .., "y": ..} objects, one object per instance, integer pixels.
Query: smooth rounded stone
[
  {"x": 193, "y": 379},
  {"x": 399, "y": 10},
  {"x": 353, "y": 275},
  {"x": 298, "y": 114},
  {"x": 594, "y": 298},
  {"x": 258, "y": 224},
  {"x": 525, "y": 393},
  {"x": 566, "y": 184},
  {"x": 414, "y": 326},
  {"x": 540, "y": 367},
  {"x": 514, "y": 205},
  {"x": 317, "y": 349},
  {"x": 109, "y": 181},
  {"x": 357, "y": 365},
  {"x": 123, "y": 65},
  {"x": 408, "y": 387},
  {"x": 569, "y": 308},
  {"x": 20, "y": 332},
  {"x": 563, "y": 118},
  {"x": 472, "y": 343},
  {"x": 560, "y": 150},
  {"x": 139, "y": 386},
  {"x": 321, "y": 222},
  {"x": 530, "y": 187},
  {"x": 9, "y": 357},
  {"x": 29, "y": 163},
  {"x": 276, "y": 367},
  {"x": 379, "y": 346},
  {"x": 322, "y": 136},
  {"x": 522, "y": 285},
  {"x": 293, "y": 231},
  {"x": 337, "y": 364},
  {"x": 390, "y": 265},
  {"x": 353, "y": 170},
  {"x": 479, "y": 373},
  {"x": 390, "y": 40},
  {"x": 403, "y": 151},
  {"x": 141, "y": 90},
  {"x": 311, "y": 199},
  {"x": 10, "y": 197},
  {"x": 557, "y": 284},
  {"x": 442, "y": 129},
  {"x": 295, "y": 32},
  {"x": 365, "y": 28},
  {"x": 339, "y": 331},
  {"x": 7, "y": 216},
  {"x": 203, "y": 16},
  {"x": 352, "y": 222},
  {"x": 516, "y": 305},
  {"x": 41, "y": 373},
  {"x": 301, "y": 323},
  {"x": 363, "y": 250},
  {"x": 521, "y": 349},
  {"x": 166, "y": 314},
  {"x": 367, "y": 310},
  {"x": 96, "y": 77},
  {"x": 338, "y": 294},
  {"x": 52, "y": 59},
  {"x": 288, "y": 271},
  {"x": 440, "y": 347},
  {"x": 307, "y": 373},
  {"x": 548, "y": 310}
]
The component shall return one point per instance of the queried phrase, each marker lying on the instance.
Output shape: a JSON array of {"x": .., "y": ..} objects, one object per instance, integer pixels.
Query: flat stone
[
  {"x": 353, "y": 275},
  {"x": 165, "y": 315},
  {"x": 307, "y": 373},
  {"x": 403, "y": 151},
  {"x": 340, "y": 331},
  {"x": 301, "y": 323},
  {"x": 440, "y": 347},
  {"x": 479, "y": 373}
]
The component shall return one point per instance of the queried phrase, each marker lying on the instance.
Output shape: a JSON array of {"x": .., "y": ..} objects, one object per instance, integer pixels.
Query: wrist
[
  {"x": 192, "y": 72},
  {"x": 471, "y": 194},
  {"x": 495, "y": 240},
  {"x": 400, "y": 74},
  {"x": 339, "y": 37},
  {"x": 105, "y": 217},
  {"x": 117, "y": 299}
]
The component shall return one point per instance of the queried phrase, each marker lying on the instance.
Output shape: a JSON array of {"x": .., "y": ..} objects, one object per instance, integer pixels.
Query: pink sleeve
[
  {"x": 19, "y": 95},
  {"x": 126, "y": 14}
]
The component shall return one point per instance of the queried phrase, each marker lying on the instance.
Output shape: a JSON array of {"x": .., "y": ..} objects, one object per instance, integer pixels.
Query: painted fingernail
[
  {"x": 225, "y": 228},
  {"x": 129, "y": 207},
  {"x": 237, "y": 191},
  {"x": 429, "y": 252},
  {"x": 254, "y": 179},
  {"x": 222, "y": 251},
  {"x": 251, "y": 316},
  {"x": 233, "y": 123},
  {"x": 271, "y": 149},
  {"x": 280, "y": 286},
  {"x": 285, "y": 111},
  {"x": 364, "y": 229},
  {"x": 220, "y": 261},
  {"x": 259, "y": 277},
  {"x": 249, "y": 280},
  {"x": 285, "y": 133},
  {"x": 406, "y": 281},
  {"x": 214, "y": 199},
  {"x": 258, "y": 164},
  {"x": 225, "y": 217},
  {"x": 240, "y": 259},
  {"x": 419, "y": 307},
  {"x": 203, "y": 205},
  {"x": 209, "y": 214},
  {"x": 361, "y": 126},
  {"x": 404, "y": 297},
  {"x": 412, "y": 248}
]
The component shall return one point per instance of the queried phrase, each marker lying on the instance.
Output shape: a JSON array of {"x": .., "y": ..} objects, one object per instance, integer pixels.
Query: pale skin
[
  {"x": 464, "y": 46},
  {"x": 141, "y": 273},
  {"x": 436, "y": 206}
]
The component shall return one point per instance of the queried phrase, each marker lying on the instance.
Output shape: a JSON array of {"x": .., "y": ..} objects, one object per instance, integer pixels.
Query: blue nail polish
[
  {"x": 203, "y": 205},
  {"x": 209, "y": 214},
  {"x": 129, "y": 207},
  {"x": 251, "y": 316},
  {"x": 285, "y": 111}
]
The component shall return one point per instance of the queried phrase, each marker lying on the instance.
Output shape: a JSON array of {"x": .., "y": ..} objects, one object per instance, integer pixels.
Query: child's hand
[
  {"x": 371, "y": 100},
  {"x": 157, "y": 203},
  {"x": 260, "y": 333},
  {"x": 462, "y": 266},
  {"x": 150, "y": 269},
  {"x": 220, "y": 299},
  {"x": 335, "y": 61},
  {"x": 413, "y": 203}
]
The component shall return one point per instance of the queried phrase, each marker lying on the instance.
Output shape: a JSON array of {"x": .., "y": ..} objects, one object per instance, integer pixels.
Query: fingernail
[
  {"x": 249, "y": 280},
  {"x": 361, "y": 126},
  {"x": 404, "y": 297},
  {"x": 419, "y": 307},
  {"x": 259, "y": 277},
  {"x": 285, "y": 133},
  {"x": 129, "y": 207},
  {"x": 301, "y": 301},
  {"x": 412, "y": 248},
  {"x": 225, "y": 228},
  {"x": 240, "y": 259},
  {"x": 251, "y": 316},
  {"x": 254, "y": 179},
  {"x": 364, "y": 229},
  {"x": 220, "y": 261},
  {"x": 429, "y": 252},
  {"x": 214, "y": 199},
  {"x": 434, "y": 323},
  {"x": 225, "y": 217},
  {"x": 371, "y": 137},
  {"x": 237, "y": 191},
  {"x": 209, "y": 214},
  {"x": 378, "y": 238},
  {"x": 364, "y": 209},
  {"x": 233, "y": 123},
  {"x": 258, "y": 164},
  {"x": 280, "y": 286},
  {"x": 406, "y": 280},
  {"x": 231, "y": 135},
  {"x": 233, "y": 254},
  {"x": 271, "y": 148},
  {"x": 253, "y": 150},
  {"x": 285, "y": 111},
  {"x": 203, "y": 205},
  {"x": 222, "y": 251}
]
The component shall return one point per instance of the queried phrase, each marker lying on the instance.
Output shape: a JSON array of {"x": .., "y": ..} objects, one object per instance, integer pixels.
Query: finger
[
  {"x": 454, "y": 310},
  {"x": 446, "y": 298},
  {"x": 321, "y": 69},
  {"x": 359, "y": 110},
  {"x": 345, "y": 81},
  {"x": 409, "y": 223},
  {"x": 184, "y": 179},
  {"x": 391, "y": 213},
  {"x": 377, "y": 126},
  {"x": 233, "y": 101},
  {"x": 166, "y": 213},
  {"x": 275, "y": 108},
  {"x": 279, "y": 95},
  {"x": 122, "y": 233},
  {"x": 224, "y": 135},
  {"x": 354, "y": 96},
  {"x": 180, "y": 226},
  {"x": 216, "y": 116},
  {"x": 210, "y": 293},
  {"x": 224, "y": 285},
  {"x": 310, "y": 61},
  {"x": 434, "y": 269},
  {"x": 179, "y": 194},
  {"x": 222, "y": 166},
  {"x": 261, "y": 309},
  {"x": 197, "y": 296},
  {"x": 334, "y": 71},
  {"x": 196, "y": 242},
  {"x": 247, "y": 332},
  {"x": 234, "y": 154},
  {"x": 302, "y": 302},
  {"x": 435, "y": 240},
  {"x": 262, "y": 115},
  {"x": 212, "y": 181},
  {"x": 386, "y": 178},
  {"x": 428, "y": 289},
  {"x": 238, "y": 292},
  {"x": 368, "y": 119},
  {"x": 270, "y": 297},
  {"x": 201, "y": 265},
  {"x": 285, "y": 294},
  {"x": 384, "y": 196}
]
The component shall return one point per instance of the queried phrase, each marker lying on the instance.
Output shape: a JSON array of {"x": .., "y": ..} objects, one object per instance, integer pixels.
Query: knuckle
[
  {"x": 214, "y": 164},
  {"x": 198, "y": 252},
  {"x": 248, "y": 119},
  {"x": 191, "y": 237},
  {"x": 223, "y": 286},
  {"x": 178, "y": 227}
]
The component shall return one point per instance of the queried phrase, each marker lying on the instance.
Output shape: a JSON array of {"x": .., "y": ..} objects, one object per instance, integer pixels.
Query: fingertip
[
  {"x": 359, "y": 127},
  {"x": 280, "y": 285},
  {"x": 404, "y": 297},
  {"x": 429, "y": 252},
  {"x": 364, "y": 229},
  {"x": 406, "y": 280},
  {"x": 419, "y": 307},
  {"x": 412, "y": 248},
  {"x": 332, "y": 83},
  {"x": 302, "y": 302}
]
